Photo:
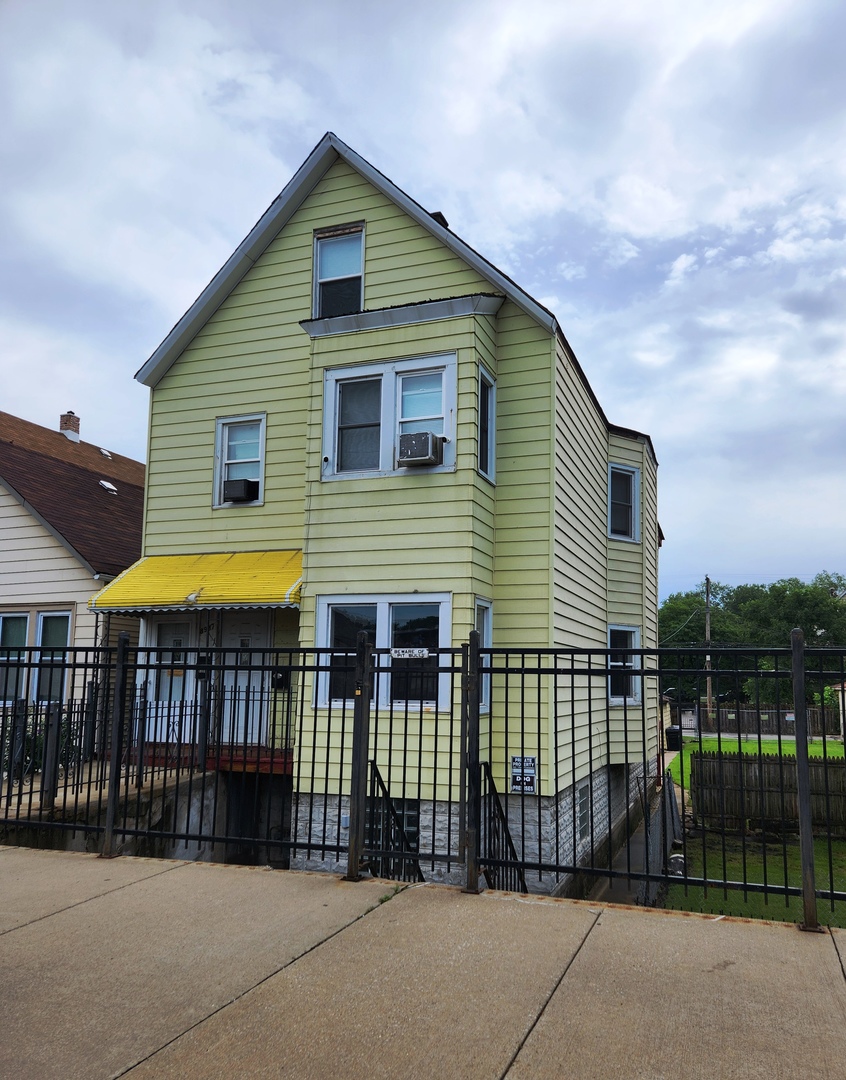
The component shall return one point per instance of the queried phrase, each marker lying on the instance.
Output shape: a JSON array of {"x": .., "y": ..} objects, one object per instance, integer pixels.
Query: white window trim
[
  {"x": 486, "y": 642},
  {"x": 221, "y": 423},
  {"x": 488, "y": 379},
  {"x": 13, "y": 615},
  {"x": 634, "y": 472},
  {"x": 36, "y": 679},
  {"x": 334, "y": 234},
  {"x": 148, "y": 639},
  {"x": 383, "y": 604},
  {"x": 27, "y": 614},
  {"x": 635, "y": 698},
  {"x": 33, "y": 646},
  {"x": 389, "y": 372}
]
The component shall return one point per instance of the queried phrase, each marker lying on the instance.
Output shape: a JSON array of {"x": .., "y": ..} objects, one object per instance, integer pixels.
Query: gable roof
[
  {"x": 329, "y": 150},
  {"x": 57, "y": 480}
]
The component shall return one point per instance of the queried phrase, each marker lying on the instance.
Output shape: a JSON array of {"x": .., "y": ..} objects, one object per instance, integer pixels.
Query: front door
[
  {"x": 244, "y": 682},
  {"x": 170, "y": 709}
]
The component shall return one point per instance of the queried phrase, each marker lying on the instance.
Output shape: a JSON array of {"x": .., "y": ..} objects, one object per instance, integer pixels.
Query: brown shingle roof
[{"x": 60, "y": 480}]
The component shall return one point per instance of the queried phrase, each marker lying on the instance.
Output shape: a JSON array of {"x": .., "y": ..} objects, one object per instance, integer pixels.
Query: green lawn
[
  {"x": 720, "y": 858},
  {"x": 746, "y": 745}
]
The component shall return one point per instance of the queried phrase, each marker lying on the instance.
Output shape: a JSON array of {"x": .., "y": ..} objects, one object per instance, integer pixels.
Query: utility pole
[{"x": 708, "y": 643}]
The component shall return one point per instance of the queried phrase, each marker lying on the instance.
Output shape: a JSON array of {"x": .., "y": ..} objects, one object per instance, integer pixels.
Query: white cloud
[
  {"x": 570, "y": 271},
  {"x": 620, "y": 251},
  {"x": 597, "y": 151},
  {"x": 48, "y": 372},
  {"x": 679, "y": 268},
  {"x": 145, "y": 144}
]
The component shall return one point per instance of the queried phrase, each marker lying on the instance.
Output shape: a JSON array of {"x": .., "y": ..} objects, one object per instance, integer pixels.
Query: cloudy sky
[{"x": 667, "y": 177}]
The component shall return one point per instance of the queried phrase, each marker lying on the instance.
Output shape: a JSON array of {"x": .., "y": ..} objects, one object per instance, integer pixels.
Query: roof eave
[
  {"x": 51, "y": 529},
  {"x": 262, "y": 234},
  {"x": 267, "y": 228}
]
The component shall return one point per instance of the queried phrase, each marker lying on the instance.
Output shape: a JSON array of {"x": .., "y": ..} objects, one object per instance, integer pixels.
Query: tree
[
  {"x": 761, "y": 615},
  {"x": 757, "y": 617}
]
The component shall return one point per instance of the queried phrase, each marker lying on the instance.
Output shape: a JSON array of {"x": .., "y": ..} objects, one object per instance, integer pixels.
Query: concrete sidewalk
[{"x": 141, "y": 968}]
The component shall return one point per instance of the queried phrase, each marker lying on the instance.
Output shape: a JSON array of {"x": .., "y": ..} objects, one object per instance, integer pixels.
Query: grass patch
[
  {"x": 716, "y": 857},
  {"x": 746, "y": 744}
]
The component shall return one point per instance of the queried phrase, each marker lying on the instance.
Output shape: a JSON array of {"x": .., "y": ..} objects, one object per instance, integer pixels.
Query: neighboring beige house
[
  {"x": 70, "y": 521},
  {"x": 361, "y": 423}
]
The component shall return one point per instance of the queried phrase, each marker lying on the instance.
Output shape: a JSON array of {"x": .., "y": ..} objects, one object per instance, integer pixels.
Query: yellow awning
[{"x": 244, "y": 579}]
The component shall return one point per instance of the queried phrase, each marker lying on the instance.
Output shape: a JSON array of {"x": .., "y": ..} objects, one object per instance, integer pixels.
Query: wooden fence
[
  {"x": 768, "y": 723},
  {"x": 737, "y": 791}
]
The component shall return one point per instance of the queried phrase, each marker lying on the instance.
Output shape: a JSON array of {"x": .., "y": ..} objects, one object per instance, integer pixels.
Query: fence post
[
  {"x": 50, "y": 763},
  {"x": 803, "y": 780},
  {"x": 360, "y": 748},
  {"x": 470, "y": 700},
  {"x": 19, "y": 740},
  {"x": 116, "y": 748},
  {"x": 89, "y": 722}
]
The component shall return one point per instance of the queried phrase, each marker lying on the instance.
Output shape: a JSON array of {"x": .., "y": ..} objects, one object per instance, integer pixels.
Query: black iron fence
[{"x": 568, "y": 772}]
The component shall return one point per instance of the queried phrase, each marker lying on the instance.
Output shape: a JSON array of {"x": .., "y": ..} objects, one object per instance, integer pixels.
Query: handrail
[
  {"x": 396, "y": 821},
  {"x": 494, "y": 874}
]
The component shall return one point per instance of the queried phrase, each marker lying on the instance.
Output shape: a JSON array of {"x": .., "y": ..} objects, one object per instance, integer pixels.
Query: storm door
[
  {"x": 171, "y": 708},
  {"x": 245, "y": 684}
]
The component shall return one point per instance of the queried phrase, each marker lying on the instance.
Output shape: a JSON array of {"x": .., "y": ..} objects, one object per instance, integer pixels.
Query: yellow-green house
[{"x": 361, "y": 423}]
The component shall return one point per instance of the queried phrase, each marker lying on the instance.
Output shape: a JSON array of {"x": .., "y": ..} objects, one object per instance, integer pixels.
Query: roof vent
[
  {"x": 105, "y": 453},
  {"x": 69, "y": 425},
  {"x": 436, "y": 215},
  {"x": 112, "y": 490}
]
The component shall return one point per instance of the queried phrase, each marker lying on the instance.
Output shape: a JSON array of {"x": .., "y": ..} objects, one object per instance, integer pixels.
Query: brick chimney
[{"x": 69, "y": 425}]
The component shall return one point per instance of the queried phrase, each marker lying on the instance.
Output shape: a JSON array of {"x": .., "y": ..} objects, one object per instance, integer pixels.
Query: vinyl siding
[
  {"x": 534, "y": 543},
  {"x": 37, "y": 574},
  {"x": 581, "y": 467},
  {"x": 524, "y": 425},
  {"x": 633, "y": 595},
  {"x": 632, "y": 577},
  {"x": 252, "y": 355},
  {"x": 367, "y": 534}
]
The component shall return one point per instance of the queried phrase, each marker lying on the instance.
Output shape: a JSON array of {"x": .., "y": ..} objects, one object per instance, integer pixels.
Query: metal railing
[{"x": 565, "y": 771}]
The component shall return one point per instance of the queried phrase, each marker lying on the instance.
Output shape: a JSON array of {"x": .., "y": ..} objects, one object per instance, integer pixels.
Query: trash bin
[{"x": 673, "y": 737}]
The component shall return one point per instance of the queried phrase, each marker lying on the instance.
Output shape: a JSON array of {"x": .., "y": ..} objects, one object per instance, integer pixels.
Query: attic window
[
  {"x": 112, "y": 490},
  {"x": 338, "y": 273},
  {"x": 105, "y": 453}
]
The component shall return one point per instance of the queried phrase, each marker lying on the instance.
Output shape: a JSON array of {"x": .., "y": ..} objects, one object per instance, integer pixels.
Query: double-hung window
[
  {"x": 53, "y": 638},
  {"x": 623, "y": 499},
  {"x": 239, "y": 460},
  {"x": 42, "y": 679},
  {"x": 623, "y": 685},
  {"x": 395, "y": 625},
  {"x": 487, "y": 424},
  {"x": 368, "y": 408},
  {"x": 338, "y": 271},
  {"x": 13, "y": 639},
  {"x": 484, "y": 625}
]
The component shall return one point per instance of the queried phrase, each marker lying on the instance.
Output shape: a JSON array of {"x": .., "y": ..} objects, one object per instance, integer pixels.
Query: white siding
[{"x": 38, "y": 574}]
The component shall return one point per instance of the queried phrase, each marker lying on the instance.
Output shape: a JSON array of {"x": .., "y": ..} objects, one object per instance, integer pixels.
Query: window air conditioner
[
  {"x": 240, "y": 490},
  {"x": 421, "y": 448}
]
